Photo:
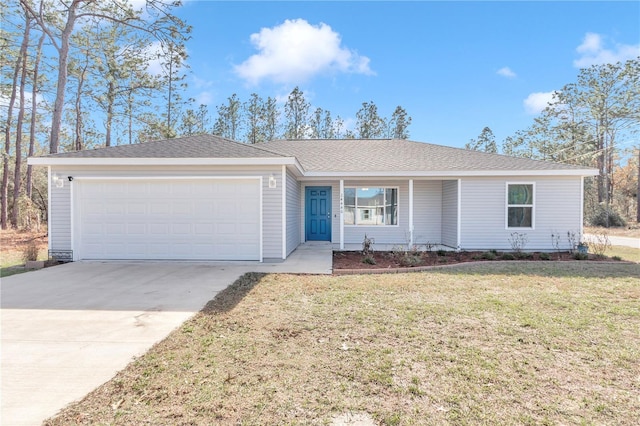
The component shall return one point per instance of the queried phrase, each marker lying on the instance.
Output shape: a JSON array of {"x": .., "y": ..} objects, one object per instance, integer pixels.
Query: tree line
[
  {"x": 259, "y": 120},
  {"x": 81, "y": 74},
  {"x": 592, "y": 122}
]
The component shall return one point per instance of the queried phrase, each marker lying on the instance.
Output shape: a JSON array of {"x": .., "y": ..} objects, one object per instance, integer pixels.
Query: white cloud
[
  {"x": 594, "y": 52},
  {"x": 138, "y": 4},
  {"x": 506, "y": 72},
  {"x": 204, "y": 98},
  {"x": 5, "y": 100},
  {"x": 295, "y": 51},
  {"x": 155, "y": 53},
  {"x": 201, "y": 83},
  {"x": 538, "y": 101}
]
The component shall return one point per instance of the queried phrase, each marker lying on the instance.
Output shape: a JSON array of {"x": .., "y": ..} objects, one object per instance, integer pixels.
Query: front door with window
[{"x": 318, "y": 213}]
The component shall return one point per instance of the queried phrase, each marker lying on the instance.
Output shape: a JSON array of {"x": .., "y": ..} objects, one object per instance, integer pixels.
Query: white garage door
[{"x": 168, "y": 219}]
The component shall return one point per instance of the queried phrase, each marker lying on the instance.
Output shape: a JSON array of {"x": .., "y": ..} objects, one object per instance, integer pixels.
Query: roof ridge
[{"x": 253, "y": 146}]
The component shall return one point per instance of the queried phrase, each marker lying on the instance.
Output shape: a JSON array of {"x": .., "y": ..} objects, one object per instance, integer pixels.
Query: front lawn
[{"x": 507, "y": 343}]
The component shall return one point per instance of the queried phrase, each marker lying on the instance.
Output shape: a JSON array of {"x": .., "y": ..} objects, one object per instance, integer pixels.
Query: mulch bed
[{"x": 387, "y": 260}]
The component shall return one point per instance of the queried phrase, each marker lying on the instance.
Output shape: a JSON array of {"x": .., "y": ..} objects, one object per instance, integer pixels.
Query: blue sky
[{"x": 456, "y": 67}]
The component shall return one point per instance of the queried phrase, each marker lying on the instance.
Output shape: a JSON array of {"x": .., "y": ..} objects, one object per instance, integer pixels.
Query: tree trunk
[
  {"x": 602, "y": 165},
  {"x": 79, "y": 142},
  {"x": 17, "y": 176},
  {"x": 4, "y": 204},
  {"x": 34, "y": 106},
  {"x": 63, "y": 58},
  {"x": 638, "y": 193},
  {"x": 130, "y": 117},
  {"x": 110, "y": 100}
]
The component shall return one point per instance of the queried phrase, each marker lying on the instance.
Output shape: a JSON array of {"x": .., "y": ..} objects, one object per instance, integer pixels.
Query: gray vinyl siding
[
  {"x": 61, "y": 209},
  {"x": 60, "y": 205},
  {"x": 450, "y": 213},
  {"x": 427, "y": 211},
  {"x": 293, "y": 213},
  {"x": 557, "y": 207}
]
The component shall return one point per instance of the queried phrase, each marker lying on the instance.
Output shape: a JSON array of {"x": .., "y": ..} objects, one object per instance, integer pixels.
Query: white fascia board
[
  {"x": 456, "y": 173},
  {"x": 75, "y": 161}
]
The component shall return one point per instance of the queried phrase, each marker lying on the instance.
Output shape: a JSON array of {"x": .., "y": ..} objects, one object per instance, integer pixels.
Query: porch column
[
  {"x": 341, "y": 214},
  {"x": 410, "y": 212}
]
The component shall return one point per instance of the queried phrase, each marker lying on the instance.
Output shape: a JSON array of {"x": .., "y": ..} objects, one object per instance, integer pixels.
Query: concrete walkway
[
  {"x": 70, "y": 328},
  {"x": 618, "y": 241}
]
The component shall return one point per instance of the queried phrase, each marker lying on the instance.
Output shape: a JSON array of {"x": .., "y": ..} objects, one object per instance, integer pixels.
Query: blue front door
[{"x": 318, "y": 213}]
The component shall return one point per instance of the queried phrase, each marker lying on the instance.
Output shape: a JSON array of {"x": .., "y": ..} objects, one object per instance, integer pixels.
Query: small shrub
[
  {"x": 409, "y": 260},
  {"x": 367, "y": 246},
  {"x": 618, "y": 258},
  {"x": 523, "y": 255},
  {"x": 369, "y": 260},
  {"x": 555, "y": 241},
  {"x": 544, "y": 256},
  {"x": 441, "y": 253},
  {"x": 488, "y": 255},
  {"x": 30, "y": 252},
  {"x": 507, "y": 256},
  {"x": 580, "y": 256},
  {"x": 518, "y": 241},
  {"x": 574, "y": 239},
  {"x": 599, "y": 244}
]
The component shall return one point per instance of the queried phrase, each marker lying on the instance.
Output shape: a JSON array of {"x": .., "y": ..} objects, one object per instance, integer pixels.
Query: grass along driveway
[{"x": 508, "y": 343}]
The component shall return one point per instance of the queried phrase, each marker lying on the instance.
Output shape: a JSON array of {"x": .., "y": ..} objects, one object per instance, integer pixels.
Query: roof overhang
[
  {"x": 111, "y": 161},
  {"x": 293, "y": 164},
  {"x": 453, "y": 173}
]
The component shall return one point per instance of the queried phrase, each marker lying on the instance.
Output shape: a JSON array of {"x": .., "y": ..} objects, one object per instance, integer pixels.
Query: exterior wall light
[
  {"x": 57, "y": 181},
  {"x": 272, "y": 181}
]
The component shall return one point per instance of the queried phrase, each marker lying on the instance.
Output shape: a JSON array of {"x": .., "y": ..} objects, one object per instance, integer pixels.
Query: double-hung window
[
  {"x": 520, "y": 202},
  {"x": 366, "y": 206}
]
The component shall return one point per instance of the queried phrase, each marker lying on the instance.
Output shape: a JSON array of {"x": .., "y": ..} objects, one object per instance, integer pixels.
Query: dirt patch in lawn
[{"x": 350, "y": 260}]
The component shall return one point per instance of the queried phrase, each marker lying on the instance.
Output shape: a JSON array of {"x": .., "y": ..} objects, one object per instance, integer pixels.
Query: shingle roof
[
  {"x": 398, "y": 155},
  {"x": 326, "y": 156},
  {"x": 198, "y": 146}
]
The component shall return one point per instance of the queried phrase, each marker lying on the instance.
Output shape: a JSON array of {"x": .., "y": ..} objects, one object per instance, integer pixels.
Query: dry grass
[
  {"x": 543, "y": 343},
  {"x": 629, "y": 254}
]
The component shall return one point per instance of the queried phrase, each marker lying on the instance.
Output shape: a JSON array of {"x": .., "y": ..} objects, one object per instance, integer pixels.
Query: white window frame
[
  {"x": 355, "y": 225},
  {"x": 507, "y": 205}
]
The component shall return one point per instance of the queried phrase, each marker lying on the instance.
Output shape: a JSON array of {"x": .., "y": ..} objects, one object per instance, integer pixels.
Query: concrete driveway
[{"x": 70, "y": 328}]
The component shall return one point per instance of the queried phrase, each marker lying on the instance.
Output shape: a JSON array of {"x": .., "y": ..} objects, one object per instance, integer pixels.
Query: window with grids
[
  {"x": 520, "y": 202},
  {"x": 370, "y": 206}
]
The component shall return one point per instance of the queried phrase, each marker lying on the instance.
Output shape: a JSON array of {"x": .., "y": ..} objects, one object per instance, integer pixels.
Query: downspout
[
  {"x": 459, "y": 239},
  {"x": 410, "y": 213},
  {"x": 581, "y": 227},
  {"x": 49, "y": 207},
  {"x": 341, "y": 214},
  {"x": 72, "y": 224}
]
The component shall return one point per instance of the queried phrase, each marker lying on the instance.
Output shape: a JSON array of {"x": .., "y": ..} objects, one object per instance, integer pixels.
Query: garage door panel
[{"x": 191, "y": 219}]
